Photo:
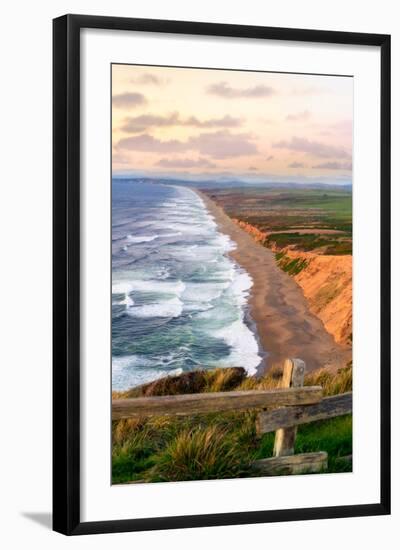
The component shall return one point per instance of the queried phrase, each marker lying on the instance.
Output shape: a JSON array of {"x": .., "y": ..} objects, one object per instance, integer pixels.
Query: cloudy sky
[{"x": 180, "y": 122}]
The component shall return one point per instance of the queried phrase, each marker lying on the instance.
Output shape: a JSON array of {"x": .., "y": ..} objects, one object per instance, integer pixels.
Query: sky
[{"x": 255, "y": 126}]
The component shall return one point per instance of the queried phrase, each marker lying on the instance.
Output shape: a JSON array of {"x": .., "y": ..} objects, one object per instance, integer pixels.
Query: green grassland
[
  {"x": 291, "y": 210},
  {"x": 219, "y": 445}
]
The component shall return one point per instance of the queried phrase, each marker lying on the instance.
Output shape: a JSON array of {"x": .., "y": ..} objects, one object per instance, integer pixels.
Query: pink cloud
[
  {"x": 186, "y": 163},
  {"x": 319, "y": 149},
  {"x": 334, "y": 166},
  {"x": 296, "y": 117},
  {"x": 144, "y": 122},
  {"x": 148, "y": 78},
  {"x": 218, "y": 145},
  {"x": 150, "y": 144},
  {"x": 128, "y": 100},
  {"x": 223, "y": 89}
]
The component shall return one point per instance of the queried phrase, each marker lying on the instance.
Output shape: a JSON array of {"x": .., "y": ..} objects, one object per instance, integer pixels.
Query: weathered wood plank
[
  {"x": 196, "y": 403},
  {"x": 293, "y": 376},
  {"x": 293, "y": 464},
  {"x": 329, "y": 407}
]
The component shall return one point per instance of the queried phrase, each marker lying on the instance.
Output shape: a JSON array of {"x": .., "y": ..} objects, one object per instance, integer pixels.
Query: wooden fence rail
[
  {"x": 301, "y": 463},
  {"x": 329, "y": 407},
  {"x": 282, "y": 410},
  {"x": 195, "y": 403}
]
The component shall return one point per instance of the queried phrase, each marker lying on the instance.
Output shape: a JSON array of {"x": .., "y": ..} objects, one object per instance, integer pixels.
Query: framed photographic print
[{"x": 221, "y": 274}]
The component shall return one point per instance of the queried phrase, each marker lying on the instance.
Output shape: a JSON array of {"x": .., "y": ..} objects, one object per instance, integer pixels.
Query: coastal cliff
[{"x": 326, "y": 282}]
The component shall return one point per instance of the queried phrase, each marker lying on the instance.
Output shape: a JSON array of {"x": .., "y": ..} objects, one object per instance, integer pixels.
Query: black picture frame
[{"x": 66, "y": 273}]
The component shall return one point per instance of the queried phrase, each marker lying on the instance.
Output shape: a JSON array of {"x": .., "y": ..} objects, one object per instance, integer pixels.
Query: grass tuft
[{"x": 199, "y": 454}]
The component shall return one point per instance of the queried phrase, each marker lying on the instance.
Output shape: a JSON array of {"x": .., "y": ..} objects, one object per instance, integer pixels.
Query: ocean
[{"x": 179, "y": 302}]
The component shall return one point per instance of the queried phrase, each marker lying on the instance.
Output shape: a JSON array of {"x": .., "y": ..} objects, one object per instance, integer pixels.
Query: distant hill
[{"x": 234, "y": 183}]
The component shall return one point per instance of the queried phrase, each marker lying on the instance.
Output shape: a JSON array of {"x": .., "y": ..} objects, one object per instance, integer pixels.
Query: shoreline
[{"x": 285, "y": 325}]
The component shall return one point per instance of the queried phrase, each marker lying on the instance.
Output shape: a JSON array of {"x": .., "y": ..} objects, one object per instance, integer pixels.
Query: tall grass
[
  {"x": 189, "y": 382},
  {"x": 332, "y": 384},
  {"x": 222, "y": 445},
  {"x": 199, "y": 453}
]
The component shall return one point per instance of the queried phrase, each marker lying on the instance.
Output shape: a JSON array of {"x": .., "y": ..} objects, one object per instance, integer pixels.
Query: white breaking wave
[
  {"x": 138, "y": 368},
  {"x": 162, "y": 273},
  {"x": 203, "y": 292},
  {"x": 167, "y": 235},
  {"x": 237, "y": 335},
  {"x": 119, "y": 363},
  {"x": 127, "y": 301},
  {"x": 241, "y": 284},
  {"x": 189, "y": 228},
  {"x": 244, "y": 347},
  {"x": 169, "y": 287},
  {"x": 141, "y": 238},
  {"x": 223, "y": 242},
  {"x": 168, "y": 308}
]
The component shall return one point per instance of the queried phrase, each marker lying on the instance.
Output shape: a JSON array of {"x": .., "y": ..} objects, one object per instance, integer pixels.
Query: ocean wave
[
  {"x": 241, "y": 284},
  {"x": 141, "y": 238},
  {"x": 203, "y": 291},
  {"x": 127, "y": 301},
  {"x": 190, "y": 228},
  {"x": 191, "y": 280},
  {"x": 197, "y": 307},
  {"x": 150, "y": 285},
  {"x": 162, "y": 272},
  {"x": 168, "y": 308},
  {"x": 244, "y": 347},
  {"x": 168, "y": 235},
  {"x": 127, "y": 361},
  {"x": 223, "y": 242},
  {"x": 133, "y": 370}
]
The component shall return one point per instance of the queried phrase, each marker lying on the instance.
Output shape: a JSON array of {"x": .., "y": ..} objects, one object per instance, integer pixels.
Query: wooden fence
[{"x": 282, "y": 410}]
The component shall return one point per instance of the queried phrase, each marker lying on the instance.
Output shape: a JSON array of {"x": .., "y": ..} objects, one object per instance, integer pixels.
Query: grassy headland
[
  {"x": 219, "y": 445},
  {"x": 302, "y": 219}
]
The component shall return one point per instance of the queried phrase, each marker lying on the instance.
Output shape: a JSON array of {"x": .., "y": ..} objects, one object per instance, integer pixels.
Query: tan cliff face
[
  {"x": 326, "y": 282},
  {"x": 259, "y": 236}
]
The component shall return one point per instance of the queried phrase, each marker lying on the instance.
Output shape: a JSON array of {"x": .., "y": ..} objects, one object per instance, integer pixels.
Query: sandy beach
[{"x": 285, "y": 325}]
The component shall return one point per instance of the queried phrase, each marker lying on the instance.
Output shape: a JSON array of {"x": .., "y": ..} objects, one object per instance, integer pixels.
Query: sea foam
[{"x": 185, "y": 300}]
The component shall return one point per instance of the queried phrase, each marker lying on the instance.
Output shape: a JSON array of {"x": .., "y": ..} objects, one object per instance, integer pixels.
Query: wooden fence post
[{"x": 292, "y": 376}]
